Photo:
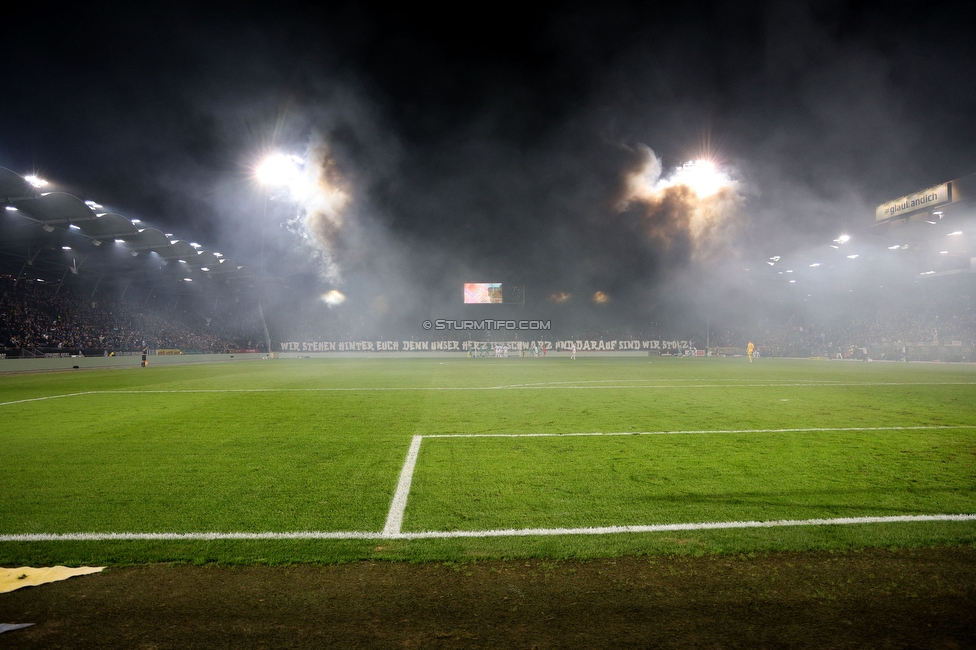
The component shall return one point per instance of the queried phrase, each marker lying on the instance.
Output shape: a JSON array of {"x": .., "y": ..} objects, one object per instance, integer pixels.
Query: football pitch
[{"x": 330, "y": 460}]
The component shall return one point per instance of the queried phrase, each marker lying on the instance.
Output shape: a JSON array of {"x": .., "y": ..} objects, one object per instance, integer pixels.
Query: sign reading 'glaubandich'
[{"x": 925, "y": 199}]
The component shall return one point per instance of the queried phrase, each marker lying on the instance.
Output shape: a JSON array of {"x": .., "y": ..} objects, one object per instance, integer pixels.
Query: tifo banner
[{"x": 582, "y": 345}]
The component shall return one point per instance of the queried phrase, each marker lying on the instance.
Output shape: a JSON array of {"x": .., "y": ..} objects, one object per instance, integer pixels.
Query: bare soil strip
[{"x": 919, "y": 598}]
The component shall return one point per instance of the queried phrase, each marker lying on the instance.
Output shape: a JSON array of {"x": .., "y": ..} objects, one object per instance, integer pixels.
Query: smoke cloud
[
  {"x": 323, "y": 197},
  {"x": 698, "y": 205}
]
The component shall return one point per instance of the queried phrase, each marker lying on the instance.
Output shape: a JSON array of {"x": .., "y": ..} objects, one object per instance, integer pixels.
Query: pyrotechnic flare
[
  {"x": 325, "y": 197},
  {"x": 333, "y": 298},
  {"x": 316, "y": 185},
  {"x": 698, "y": 202}
]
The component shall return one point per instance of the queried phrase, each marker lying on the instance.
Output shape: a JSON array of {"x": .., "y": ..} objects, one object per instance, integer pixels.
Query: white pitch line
[
  {"x": 488, "y": 388},
  {"x": 568, "y": 386},
  {"x": 661, "y": 528},
  {"x": 38, "y": 399},
  {"x": 697, "y": 431},
  {"x": 452, "y": 534},
  {"x": 108, "y": 537},
  {"x": 394, "y": 520}
]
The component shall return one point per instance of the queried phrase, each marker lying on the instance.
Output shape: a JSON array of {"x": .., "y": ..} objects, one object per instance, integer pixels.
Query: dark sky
[{"x": 493, "y": 141}]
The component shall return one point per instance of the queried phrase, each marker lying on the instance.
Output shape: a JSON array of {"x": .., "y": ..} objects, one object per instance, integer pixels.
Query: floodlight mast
[{"x": 276, "y": 170}]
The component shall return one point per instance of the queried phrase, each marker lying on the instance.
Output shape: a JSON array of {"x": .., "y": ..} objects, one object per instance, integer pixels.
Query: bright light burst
[
  {"x": 333, "y": 298},
  {"x": 701, "y": 176},
  {"x": 304, "y": 180},
  {"x": 279, "y": 170},
  {"x": 698, "y": 201},
  {"x": 35, "y": 181}
]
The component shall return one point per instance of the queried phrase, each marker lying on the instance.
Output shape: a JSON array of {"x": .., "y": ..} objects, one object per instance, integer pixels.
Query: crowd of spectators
[
  {"x": 876, "y": 327},
  {"x": 46, "y": 317},
  {"x": 40, "y": 316}
]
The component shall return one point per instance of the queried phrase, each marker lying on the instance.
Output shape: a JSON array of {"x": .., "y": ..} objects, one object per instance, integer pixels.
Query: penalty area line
[
  {"x": 394, "y": 520},
  {"x": 450, "y": 534},
  {"x": 923, "y": 427}
]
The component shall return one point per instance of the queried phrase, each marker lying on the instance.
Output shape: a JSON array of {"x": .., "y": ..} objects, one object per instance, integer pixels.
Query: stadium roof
[{"x": 56, "y": 233}]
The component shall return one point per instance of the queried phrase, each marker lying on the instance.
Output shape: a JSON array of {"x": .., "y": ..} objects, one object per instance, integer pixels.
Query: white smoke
[{"x": 321, "y": 194}]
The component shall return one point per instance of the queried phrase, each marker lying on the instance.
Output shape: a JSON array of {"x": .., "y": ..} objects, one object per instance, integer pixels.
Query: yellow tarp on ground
[{"x": 26, "y": 576}]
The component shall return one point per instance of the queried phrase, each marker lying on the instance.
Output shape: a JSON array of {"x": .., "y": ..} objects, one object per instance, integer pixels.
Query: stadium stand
[{"x": 38, "y": 319}]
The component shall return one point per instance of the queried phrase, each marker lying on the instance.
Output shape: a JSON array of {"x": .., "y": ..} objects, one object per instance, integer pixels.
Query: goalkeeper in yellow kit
[{"x": 749, "y": 350}]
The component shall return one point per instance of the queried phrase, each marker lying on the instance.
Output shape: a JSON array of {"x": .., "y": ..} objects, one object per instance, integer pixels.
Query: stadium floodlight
[
  {"x": 852, "y": 257},
  {"x": 172, "y": 241},
  {"x": 217, "y": 255},
  {"x": 958, "y": 232},
  {"x": 843, "y": 239},
  {"x": 119, "y": 241},
  {"x": 279, "y": 169},
  {"x": 771, "y": 263},
  {"x": 66, "y": 248},
  {"x": 943, "y": 252},
  {"x": 92, "y": 205},
  {"x": 926, "y": 272},
  {"x": 181, "y": 261},
  {"x": 204, "y": 268},
  {"x": 894, "y": 248},
  {"x": 775, "y": 258},
  {"x": 11, "y": 208},
  {"x": 789, "y": 270},
  {"x": 938, "y": 212},
  {"x": 168, "y": 234},
  {"x": 792, "y": 281},
  {"x": 815, "y": 264},
  {"x": 832, "y": 246},
  {"x": 136, "y": 221},
  {"x": 194, "y": 244},
  {"x": 187, "y": 279},
  {"x": 35, "y": 181},
  {"x": 74, "y": 227}
]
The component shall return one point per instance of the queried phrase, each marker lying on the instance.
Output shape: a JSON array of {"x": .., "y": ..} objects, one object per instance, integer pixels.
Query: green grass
[
  {"x": 317, "y": 445},
  {"x": 583, "y": 482}
]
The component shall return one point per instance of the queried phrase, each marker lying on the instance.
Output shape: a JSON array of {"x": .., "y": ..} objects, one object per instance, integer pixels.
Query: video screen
[{"x": 482, "y": 292}]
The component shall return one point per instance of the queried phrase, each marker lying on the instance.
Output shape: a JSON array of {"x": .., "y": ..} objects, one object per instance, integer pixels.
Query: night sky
[{"x": 494, "y": 142}]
